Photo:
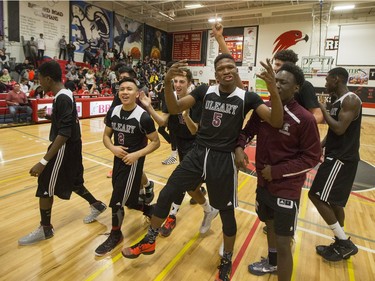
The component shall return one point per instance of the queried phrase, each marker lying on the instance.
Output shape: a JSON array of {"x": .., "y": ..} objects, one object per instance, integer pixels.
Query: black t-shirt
[{"x": 306, "y": 96}]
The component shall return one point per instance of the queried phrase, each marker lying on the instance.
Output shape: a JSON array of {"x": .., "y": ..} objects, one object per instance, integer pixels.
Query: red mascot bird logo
[{"x": 287, "y": 39}]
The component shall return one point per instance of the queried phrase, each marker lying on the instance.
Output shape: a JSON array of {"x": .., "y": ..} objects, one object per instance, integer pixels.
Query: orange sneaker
[
  {"x": 168, "y": 226},
  {"x": 142, "y": 247}
]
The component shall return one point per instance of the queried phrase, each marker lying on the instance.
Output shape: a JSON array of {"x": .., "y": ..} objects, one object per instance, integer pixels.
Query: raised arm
[
  {"x": 161, "y": 119},
  {"x": 217, "y": 32},
  {"x": 275, "y": 116},
  {"x": 176, "y": 106}
]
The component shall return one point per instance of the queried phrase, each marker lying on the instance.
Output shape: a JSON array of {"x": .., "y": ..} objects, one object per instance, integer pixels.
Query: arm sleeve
[{"x": 309, "y": 153}]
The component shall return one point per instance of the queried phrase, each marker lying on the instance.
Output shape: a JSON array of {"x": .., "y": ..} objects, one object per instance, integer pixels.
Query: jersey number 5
[{"x": 216, "y": 122}]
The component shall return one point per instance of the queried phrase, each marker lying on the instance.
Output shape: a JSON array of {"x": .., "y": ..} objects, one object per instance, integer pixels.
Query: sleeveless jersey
[
  {"x": 223, "y": 115},
  {"x": 346, "y": 146},
  {"x": 130, "y": 127}
]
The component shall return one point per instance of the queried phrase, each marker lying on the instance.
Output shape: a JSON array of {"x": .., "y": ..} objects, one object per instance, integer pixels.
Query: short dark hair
[
  {"x": 286, "y": 56},
  {"x": 188, "y": 74},
  {"x": 341, "y": 72},
  {"x": 222, "y": 56},
  {"x": 128, "y": 79},
  {"x": 127, "y": 69},
  {"x": 295, "y": 70},
  {"x": 51, "y": 69}
]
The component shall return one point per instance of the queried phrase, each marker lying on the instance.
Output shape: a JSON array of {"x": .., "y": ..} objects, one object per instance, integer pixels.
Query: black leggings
[{"x": 229, "y": 222}]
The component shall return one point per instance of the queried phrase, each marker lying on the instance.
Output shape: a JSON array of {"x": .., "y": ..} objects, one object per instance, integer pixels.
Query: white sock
[
  {"x": 174, "y": 209},
  {"x": 206, "y": 206},
  {"x": 142, "y": 191},
  {"x": 174, "y": 153},
  {"x": 338, "y": 231}
]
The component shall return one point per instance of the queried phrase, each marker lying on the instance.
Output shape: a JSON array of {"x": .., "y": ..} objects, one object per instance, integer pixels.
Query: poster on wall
[
  {"x": 50, "y": 18},
  {"x": 187, "y": 45},
  {"x": 155, "y": 43},
  {"x": 234, "y": 44},
  {"x": 91, "y": 26},
  {"x": 250, "y": 45},
  {"x": 128, "y": 36},
  {"x": 358, "y": 76}
]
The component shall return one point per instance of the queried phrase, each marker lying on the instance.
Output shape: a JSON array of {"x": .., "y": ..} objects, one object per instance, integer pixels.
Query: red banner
[{"x": 187, "y": 45}]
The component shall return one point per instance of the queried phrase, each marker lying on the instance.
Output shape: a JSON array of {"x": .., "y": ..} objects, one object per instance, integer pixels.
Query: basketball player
[
  {"x": 184, "y": 126},
  {"x": 60, "y": 171},
  {"x": 283, "y": 156},
  {"x": 146, "y": 192},
  {"x": 129, "y": 124},
  {"x": 212, "y": 158},
  {"x": 334, "y": 179}
]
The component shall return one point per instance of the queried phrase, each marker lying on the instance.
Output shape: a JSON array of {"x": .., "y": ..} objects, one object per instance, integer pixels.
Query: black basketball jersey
[
  {"x": 346, "y": 146},
  {"x": 130, "y": 127},
  {"x": 64, "y": 118},
  {"x": 307, "y": 96},
  {"x": 223, "y": 115}
]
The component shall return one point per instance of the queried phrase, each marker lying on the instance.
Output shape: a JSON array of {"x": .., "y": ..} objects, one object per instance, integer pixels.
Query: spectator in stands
[
  {"x": 4, "y": 60},
  {"x": 5, "y": 78},
  {"x": 90, "y": 78},
  {"x": 70, "y": 48},
  {"x": 88, "y": 57},
  {"x": 62, "y": 45},
  {"x": 17, "y": 101},
  {"x": 107, "y": 62},
  {"x": 31, "y": 73},
  {"x": 37, "y": 93},
  {"x": 72, "y": 75},
  {"x": 41, "y": 46},
  {"x": 24, "y": 87},
  {"x": 33, "y": 51}
]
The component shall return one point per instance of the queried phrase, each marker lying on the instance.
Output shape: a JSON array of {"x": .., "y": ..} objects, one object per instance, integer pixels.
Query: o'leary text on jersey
[
  {"x": 221, "y": 107},
  {"x": 125, "y": 128}
]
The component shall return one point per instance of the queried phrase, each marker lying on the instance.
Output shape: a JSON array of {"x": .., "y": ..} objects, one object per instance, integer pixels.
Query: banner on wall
[
  {"x": 155, "y": 43},
  {"x": 51, "y": 18},
  {"x": 187, "y": 45},
  {"x": 91, "y": 26},
  {"x": 128, "y": 36}
]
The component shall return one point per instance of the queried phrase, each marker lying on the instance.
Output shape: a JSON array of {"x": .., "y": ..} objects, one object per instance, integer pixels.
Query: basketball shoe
[
  {"x": 262, "y": 267},
  {"x": 170, "y": 160},
  {"x": 41, "y": 233},
  {"x": 207, "y": 219},
  {"x": 224, "y": 271},
  {"x": 95, "y": 210},
  {"x": 142, "y": 247},
  {"x": 168, "y": 226},
  {"x": 114, "y": 239},
  {"x": 339, "y": 250}
]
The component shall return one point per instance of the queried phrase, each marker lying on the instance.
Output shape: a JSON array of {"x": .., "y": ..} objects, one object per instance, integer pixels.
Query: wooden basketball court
[{"x": 185, "y": 255}]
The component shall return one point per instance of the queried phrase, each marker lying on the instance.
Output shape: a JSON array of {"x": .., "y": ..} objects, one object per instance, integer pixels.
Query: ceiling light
[
  {"x": 341, "y": 8},
  {"x": 214, "y": 20},
  {"x": 193, "y": 6}
]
